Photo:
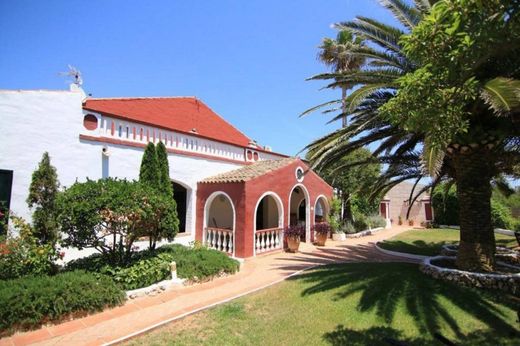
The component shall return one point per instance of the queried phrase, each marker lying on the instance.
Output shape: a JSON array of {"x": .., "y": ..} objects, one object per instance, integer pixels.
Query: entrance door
[
  {"x": 180, "y": 197},
  {"x": 6, "y": 182}
]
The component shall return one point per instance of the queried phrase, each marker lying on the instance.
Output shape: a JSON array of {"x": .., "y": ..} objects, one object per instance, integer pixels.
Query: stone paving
[{"x": 147, "y": 312}]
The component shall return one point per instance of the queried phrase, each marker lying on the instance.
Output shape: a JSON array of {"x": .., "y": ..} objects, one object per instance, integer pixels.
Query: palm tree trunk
[
  {"x": 477, "y": 240},
  {"x": 343, "y": 106}
]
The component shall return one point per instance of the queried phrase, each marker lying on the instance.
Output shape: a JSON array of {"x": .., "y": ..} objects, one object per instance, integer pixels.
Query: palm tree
[
  {"x": 335, "y": 54},
  {"x": 409, "y": 154}
]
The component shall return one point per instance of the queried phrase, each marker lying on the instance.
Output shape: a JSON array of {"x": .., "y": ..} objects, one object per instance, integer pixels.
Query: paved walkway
[{"x": 147, "y": 312}]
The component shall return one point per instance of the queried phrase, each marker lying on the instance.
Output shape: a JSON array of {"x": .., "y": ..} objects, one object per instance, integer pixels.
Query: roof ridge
[
  {"x": 247, "y": 173},
  {"x": 143, "y": 98}
]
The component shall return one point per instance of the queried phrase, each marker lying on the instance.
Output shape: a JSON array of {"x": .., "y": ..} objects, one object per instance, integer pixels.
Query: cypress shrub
[
  {"x": 165, "y": 184},
  {"x": 149, "y": 171},
  {"x": 43, "y": 192}
]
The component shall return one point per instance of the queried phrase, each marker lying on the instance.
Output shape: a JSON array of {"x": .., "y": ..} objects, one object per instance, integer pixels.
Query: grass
[
  {"x": 351, "y": 304},
  {"x": 428, "y": 242}
]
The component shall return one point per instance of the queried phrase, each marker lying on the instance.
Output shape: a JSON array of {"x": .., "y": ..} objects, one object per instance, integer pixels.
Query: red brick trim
[{"x": 173, "y": 151}]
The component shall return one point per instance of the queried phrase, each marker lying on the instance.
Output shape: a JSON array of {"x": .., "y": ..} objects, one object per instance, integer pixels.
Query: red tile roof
[{"x": 181, "y": 114}]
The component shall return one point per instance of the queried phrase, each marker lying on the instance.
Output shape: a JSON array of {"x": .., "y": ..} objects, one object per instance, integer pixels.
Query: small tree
[
  {"x": 109, "y": 215},
  {"x": 149, "y": 171},
  {"x": 42, "y": 197},
  {"x": 165, "y": 184}
]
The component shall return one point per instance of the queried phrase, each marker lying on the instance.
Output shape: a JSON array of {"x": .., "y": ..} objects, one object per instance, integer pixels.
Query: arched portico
[
  {"x": 219, "y": 222},
  {"x": 321, "y": 209},
  {"x": 299, "y": 209},
  {"x": 268, "y": 223}
]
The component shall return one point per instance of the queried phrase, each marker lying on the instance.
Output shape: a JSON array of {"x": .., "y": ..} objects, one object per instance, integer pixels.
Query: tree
[
  {"x": 165, "y": 182},
  {"x": 149, "y": 171},
  {"x": 352, "y": 183},
  {"x": 43, "y": 192},
  {"x": 465, "y": 99},
  {"x": 435, "y": 120},
  {"x": 335, "y": 54},
  {"x": 109, "y": 215}
]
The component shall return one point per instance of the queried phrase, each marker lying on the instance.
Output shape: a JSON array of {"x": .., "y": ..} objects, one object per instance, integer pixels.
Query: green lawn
[
  {"x": 351, "y": 304},
  {"x": 428, "y": 242}
]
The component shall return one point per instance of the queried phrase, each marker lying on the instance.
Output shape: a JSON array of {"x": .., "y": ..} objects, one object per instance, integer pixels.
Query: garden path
[{"x": 145, "y": 313}]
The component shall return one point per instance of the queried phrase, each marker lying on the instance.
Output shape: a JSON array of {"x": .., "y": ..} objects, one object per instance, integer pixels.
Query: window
[{"x": 90, "y": 122}]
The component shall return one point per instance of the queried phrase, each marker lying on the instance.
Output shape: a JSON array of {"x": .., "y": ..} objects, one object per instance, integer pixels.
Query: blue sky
[{"x": 247, "y": 60}]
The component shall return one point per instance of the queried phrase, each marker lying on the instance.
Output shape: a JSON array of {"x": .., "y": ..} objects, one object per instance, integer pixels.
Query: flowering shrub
[
  {"x": 321, "y": 228},
  {"x": 294, "y": 231},
  {"x": 22, "y": 255}
]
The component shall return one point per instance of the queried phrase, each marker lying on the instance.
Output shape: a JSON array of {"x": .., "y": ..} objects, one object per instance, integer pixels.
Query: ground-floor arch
[
  {"x": 268, "y": 223},
  {"x": 299, "y": 209},
  {"x": 219, "y": 222},
  {"x": 321, "y": 209}
]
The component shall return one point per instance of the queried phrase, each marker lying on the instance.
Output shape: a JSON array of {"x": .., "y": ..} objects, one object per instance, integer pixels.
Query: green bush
[
  {"x": 146, "y": 267},
  {"x": 361, "y": 223},
  {"x": 500, "y": 215},
  {"x": 23, "y": 255},
  {"x": 445, "y": 205},
  {"x": 92, "y": 213},
  {"x": 376, "y": 221},
  {"x": 348, "y": 228},
  {"x": 30, "y": 301}
]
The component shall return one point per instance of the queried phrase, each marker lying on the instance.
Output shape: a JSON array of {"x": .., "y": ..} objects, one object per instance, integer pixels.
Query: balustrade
[
  {"x": 220, "y": 239},
  {"x": 268, "y": 239}
]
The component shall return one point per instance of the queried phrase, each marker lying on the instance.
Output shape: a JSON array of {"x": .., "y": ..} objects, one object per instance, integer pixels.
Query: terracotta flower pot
[
  {"x": 293, "y": 243},
  {"x": 321, "y": 238}
]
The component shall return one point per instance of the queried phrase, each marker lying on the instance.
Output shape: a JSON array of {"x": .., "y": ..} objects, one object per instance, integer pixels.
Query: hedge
[
  {"x": 146, "y": 267},
  {"x": 33, "y": 300}
]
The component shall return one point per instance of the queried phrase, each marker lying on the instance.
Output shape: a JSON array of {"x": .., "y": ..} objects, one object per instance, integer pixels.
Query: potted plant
[
  {"x": 293, "y": 235},
  {"x": 322, "y": 231},
  {"x": 410, "y": 222},
  {"x": 399, "y": 220}
]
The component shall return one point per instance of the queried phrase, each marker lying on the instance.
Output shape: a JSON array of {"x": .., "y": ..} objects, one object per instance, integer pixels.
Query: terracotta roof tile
[
  {"x": 181, "y": 114},
  {"x": 250, "y": 172}
]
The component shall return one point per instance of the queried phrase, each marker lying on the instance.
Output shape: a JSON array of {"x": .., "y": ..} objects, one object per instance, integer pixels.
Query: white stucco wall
[{"x": 32, "y": 122}]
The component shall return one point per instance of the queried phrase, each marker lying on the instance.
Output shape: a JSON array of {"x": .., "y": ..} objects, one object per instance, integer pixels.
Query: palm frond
[
  {"x": 408, "y": 16},
  {"x": 502, "y": 95},
  {"x": 315, "y": 108}
]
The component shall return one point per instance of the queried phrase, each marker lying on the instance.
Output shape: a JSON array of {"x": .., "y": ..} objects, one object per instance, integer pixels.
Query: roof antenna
[{"x": 74, "y": 74}]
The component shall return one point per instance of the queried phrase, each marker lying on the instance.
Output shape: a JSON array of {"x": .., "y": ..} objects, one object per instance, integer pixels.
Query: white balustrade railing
[
  {"x": 220, "y": 239},
  {"x": 268, "y": 239}
]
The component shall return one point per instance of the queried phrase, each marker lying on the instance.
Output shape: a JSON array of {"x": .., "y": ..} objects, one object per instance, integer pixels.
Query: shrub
[
  {"x": 500, "y": 215},
  {"x": 110, "y": 214},
  {"x": 146, "y": 267},
  {"x": 30, "y": 301},
  {"x": 361, "y": 223},
  {"x": 321, "y": 228},
  {"x": 348, "y": 227},
  {"x": 296, "y": 231},
  {"x": 43, "y": 192},
  {"x": 376, "y": 221},
  {"x": 445, "y": 205},
  {"x": 23, "y": 255}
]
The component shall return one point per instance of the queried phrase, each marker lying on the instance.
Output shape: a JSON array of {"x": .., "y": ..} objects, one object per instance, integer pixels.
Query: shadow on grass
[
  {"x": 385, "y": 286},
  {"x": 376, "y": 336}
]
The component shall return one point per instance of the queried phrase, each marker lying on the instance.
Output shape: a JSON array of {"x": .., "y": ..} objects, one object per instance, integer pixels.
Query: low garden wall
[
  {"x": 364, "y": 233},
  {"x": 504, "y": 282}
]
